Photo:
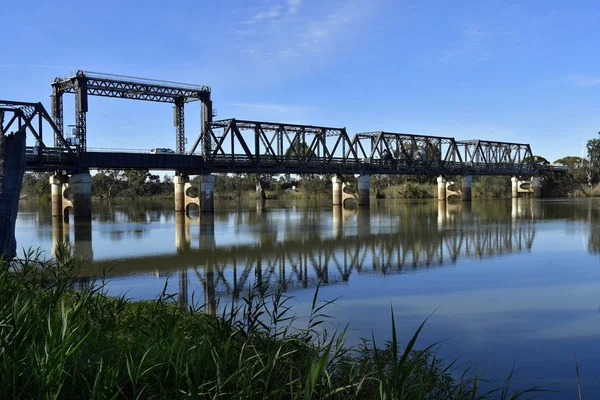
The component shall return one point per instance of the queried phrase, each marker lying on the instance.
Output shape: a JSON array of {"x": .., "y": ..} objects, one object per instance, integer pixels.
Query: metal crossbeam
[{"x": 120, "y": 86}]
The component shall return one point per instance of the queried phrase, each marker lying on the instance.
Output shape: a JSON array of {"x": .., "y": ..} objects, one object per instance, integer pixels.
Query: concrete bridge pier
[
  {"x": 207, "y": 204},
  {"x": 467, "y": 181},
  {"x": 536, "y": 185},
  {"x": 441, "y": 188},
  {"x": 336, "y": 183},
  {"x": 515, "y": 187},
  {"x": 74, "y": 192},
  {"x": 179, "y": 182},
  {"x": 56, "y": 190},
  {"x": 364, "y": 186},
  {"x": 81, "y": 191}
]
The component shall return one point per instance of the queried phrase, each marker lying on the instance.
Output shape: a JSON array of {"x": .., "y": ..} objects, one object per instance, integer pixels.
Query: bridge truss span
[
  {"x": 273, "y": 147},
  {"x": 402, "y": 153},
  {"x": 386, "y": 152},
  {"x": 481, "y": 156}
]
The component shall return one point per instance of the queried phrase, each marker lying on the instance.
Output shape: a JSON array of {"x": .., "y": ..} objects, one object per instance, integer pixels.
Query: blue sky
[{"x": 523, "y": 71}]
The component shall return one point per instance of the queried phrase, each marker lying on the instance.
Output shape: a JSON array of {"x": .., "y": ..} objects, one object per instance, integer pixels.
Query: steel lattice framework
[
  {"x": 84, "y": 84},
  {"x": 276, "y": 147},
  {"x": 407, "y": 153},
  {"x": 403, "y": 153},
  {"x": 501, "y": 156},
  {"x": 24, "y": 114}
]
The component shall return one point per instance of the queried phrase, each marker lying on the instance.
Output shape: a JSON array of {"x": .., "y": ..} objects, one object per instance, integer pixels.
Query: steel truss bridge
[{"x": 233, "y": 145}]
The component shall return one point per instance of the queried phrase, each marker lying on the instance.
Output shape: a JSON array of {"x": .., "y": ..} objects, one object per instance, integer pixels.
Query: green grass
[{"x": 60, "y": 343}]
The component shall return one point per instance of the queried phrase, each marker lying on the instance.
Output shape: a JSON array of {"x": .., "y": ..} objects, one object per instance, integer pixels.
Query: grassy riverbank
[{"x": 56, "y": 342}]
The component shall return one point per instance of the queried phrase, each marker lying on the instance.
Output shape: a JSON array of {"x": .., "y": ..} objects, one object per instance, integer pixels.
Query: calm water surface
[{"x": 509, "y": 281}]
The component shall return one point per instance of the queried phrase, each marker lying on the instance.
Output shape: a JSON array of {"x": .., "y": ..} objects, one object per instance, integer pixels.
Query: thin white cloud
[
  {"x": 584, "y": 80},
  {"x": 271, "y": 12},
  {"x": 287, "y": 33},
  {"x": 293, "y": 6}
]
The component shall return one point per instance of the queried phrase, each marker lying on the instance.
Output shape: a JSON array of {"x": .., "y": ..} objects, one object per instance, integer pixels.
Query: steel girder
[
  {"x": 127, "y": 87},
  {"x": 24, "y": 114},
  {"x": 273, "y": 146},
  {"x": 407, "y": 153}
]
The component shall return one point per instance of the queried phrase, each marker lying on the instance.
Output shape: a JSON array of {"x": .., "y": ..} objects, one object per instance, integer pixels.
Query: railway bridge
[{"x": 242, "y": 146}]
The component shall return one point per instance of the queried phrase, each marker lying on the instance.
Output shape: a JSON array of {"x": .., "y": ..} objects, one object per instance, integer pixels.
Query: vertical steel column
[
  {"x": 57, "y": 114},
  {"x": 81, "y": 108},
  {"x": 179, "y": 123},
  {"x": 205, "y": 126}
]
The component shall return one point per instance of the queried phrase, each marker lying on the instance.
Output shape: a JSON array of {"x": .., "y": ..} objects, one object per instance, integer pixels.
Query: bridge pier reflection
[
  {"x": 81, "y": 245},
  {"x": 182, "y": 233},
  {"x": 338, "y": 221},
  {"x": 60, "y": 233}
]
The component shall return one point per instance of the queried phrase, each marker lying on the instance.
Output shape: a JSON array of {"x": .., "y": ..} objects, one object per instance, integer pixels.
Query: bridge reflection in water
[{"x": 375, "y": 240}]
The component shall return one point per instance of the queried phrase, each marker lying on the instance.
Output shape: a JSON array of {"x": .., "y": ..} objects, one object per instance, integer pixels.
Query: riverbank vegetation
[{"x": 58, "y": 342}]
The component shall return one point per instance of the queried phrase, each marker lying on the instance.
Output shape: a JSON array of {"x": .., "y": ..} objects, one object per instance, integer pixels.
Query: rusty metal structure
[{"x": 84, "y": 84}]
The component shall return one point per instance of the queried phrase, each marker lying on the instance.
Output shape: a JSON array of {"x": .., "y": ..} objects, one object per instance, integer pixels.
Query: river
[{"x": 507, "y": 281}]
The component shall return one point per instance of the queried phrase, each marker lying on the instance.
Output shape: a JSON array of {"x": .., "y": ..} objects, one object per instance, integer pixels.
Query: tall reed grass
[{"x": 58, "y": 341}]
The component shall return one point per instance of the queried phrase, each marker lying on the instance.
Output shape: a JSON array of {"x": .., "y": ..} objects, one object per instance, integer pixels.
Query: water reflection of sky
[{"x": 531, "y": 296}]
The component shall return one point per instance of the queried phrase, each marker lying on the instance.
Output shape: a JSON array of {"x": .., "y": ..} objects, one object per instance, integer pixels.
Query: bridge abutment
[
  {"x": 364, "y": 186},
  {"x": 467, "y": 181}
]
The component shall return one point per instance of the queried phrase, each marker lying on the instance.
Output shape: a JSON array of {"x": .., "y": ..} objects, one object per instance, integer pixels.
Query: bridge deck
[{"x": 53, "y": 159}]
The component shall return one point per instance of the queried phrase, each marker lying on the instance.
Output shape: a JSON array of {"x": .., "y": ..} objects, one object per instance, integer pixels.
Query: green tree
[
  {"x": 136, "y": 181},
  {"x": 536, "y": 160},
  {"x": 570, "y": 162},
  {"x": 108, "y": 182},
  {"x": 299, "y": 149},
  {"x": 593, "y": 153}
]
